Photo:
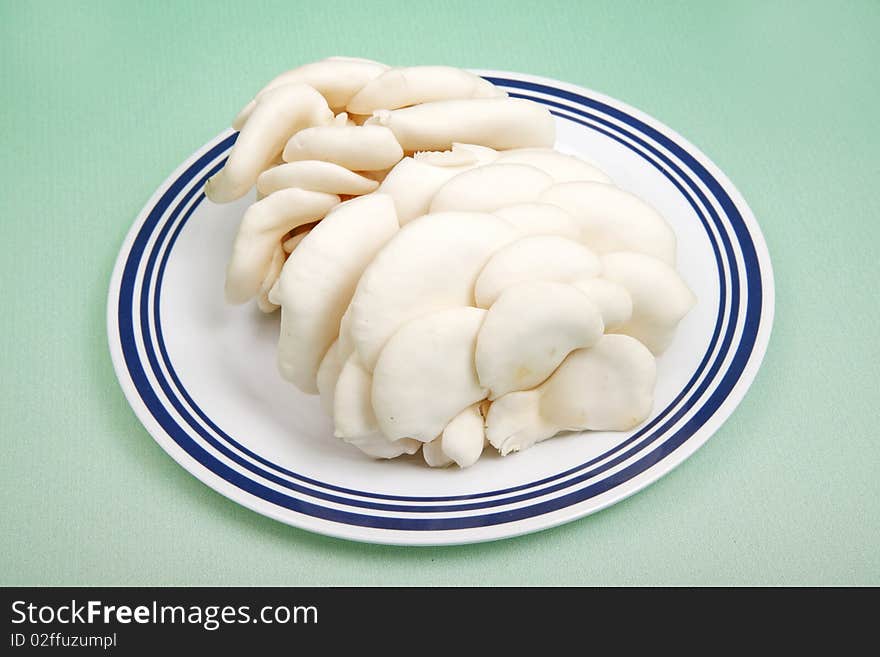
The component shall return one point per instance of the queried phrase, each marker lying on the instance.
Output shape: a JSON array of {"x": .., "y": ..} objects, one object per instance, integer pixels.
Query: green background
[{"x": 101, "y": 101}]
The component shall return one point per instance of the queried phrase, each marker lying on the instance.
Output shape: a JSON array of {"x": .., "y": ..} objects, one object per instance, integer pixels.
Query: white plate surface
[{"x": 201, "y": 375}]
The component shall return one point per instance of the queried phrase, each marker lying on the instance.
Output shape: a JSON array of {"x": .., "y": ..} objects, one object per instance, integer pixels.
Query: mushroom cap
[
  {"x": 534, "y": 258},
  {"x": 490, "y": 187},
  {"x": 319, "y": 278},
  {"x": 259, "y": 234},
  {"x": 401, "y": 87},
  {"x": 425, "y": 375},
  {"x": 464, "y": 437},
  {"x": 529, "y": 330},
  {"x": 359, "y": 147},
  {"x": 559, "y": 166},
  {"x": 278, "y": 115},
  {"x": 498, "y": 123},
  {"x": 354, "y": 419},
  {"x": 314, "y": 175},
  {"x": 337, "y": 79},
  {"x": 660, "y": 298},
  {"x": 430, "y": 265},
  {"x": 614, "y": 220},
  {"x": 608, "y": 387}
]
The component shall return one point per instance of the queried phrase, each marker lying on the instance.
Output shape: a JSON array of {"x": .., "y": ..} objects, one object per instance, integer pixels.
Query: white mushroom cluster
[{"x": 447, "y": 280}]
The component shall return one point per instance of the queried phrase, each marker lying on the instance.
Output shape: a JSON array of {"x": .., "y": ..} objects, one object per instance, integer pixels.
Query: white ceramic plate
[{"x": 201, "y": 375}]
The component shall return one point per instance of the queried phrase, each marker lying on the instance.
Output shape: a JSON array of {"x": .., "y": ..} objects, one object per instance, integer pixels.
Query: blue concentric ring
[{"x": 127, "y": 337}]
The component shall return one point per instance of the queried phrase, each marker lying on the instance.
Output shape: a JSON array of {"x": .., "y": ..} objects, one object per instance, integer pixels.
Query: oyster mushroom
[
  {"x": 559, "y": 166},
  {"x": 262, "y": 227},
  {"x": 413, "y": 85},
  {"x": 430, "y": 265},
  {"x": 318, "y": 280},
  {"x": 314, "y": 175},
  {"x": 614, "y": 220},
  {"x": 354, "y": 418},
  {"x": 278, "y": 115},
  {"x": 359, "y": 148},
  {"x": 337, "y": 79},
  {"x": 528, "y": 332},
  {"x": 426, "y": 355},
  {"x": 534, "y": 258},
  {"x": 464, "y": 437},
  {"x": 498, "y": 123},
  {"x": 490, "y": 187},
  {"x": 608, "y": 387},
  {"x": 660, "y": 298}
]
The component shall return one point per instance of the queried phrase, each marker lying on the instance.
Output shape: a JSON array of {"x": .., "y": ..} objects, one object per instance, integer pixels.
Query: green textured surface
[{"x": 101, "y": 101}]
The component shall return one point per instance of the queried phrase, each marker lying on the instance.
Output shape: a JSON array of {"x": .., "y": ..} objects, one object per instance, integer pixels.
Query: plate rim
[{"x": 482, "y": 533}]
